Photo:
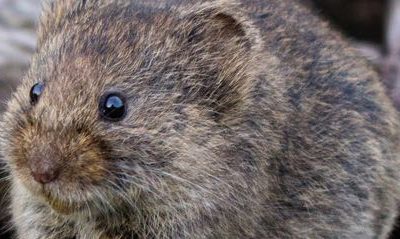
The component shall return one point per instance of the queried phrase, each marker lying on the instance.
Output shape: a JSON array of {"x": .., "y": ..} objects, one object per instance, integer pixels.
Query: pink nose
[
  {"x": 45, "y": 177},
  {"x": 44, "y": 169}
]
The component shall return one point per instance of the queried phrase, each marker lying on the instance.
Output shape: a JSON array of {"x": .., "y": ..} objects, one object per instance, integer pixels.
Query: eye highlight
[
  {"x": 36, "y": 92},
  {"x": 112, "y": 107}
]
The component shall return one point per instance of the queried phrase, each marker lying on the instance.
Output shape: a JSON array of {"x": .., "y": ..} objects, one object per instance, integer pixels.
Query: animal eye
[
  {"x": 112, "y": 107},
  {"x": 35, "y": 93}
]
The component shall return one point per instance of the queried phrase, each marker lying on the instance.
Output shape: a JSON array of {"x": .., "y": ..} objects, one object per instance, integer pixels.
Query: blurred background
[
  {"x": 17, "y": 41},
  {"x": 373, "y": 26}
]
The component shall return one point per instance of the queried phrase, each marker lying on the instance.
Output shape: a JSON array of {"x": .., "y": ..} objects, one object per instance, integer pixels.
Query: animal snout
[
  {"x": 44, "y": 168},
  {"x": 45, "y": 177}
]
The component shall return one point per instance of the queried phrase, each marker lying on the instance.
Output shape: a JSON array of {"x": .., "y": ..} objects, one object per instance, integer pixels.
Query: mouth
[{"x": 61, "y": 206}]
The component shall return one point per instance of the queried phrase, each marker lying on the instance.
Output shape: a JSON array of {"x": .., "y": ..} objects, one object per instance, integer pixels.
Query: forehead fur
[
  {"x": 58, "y": 13},
  {"x": 130, "y": 38}
]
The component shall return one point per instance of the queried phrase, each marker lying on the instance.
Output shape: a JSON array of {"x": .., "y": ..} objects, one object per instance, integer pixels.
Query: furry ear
[
  {"x": 232, "y": 45},
  {"x": 223, "y": 20}
]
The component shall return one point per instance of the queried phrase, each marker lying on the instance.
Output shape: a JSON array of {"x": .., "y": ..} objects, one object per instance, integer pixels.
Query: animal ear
[
  {"x": 223, "y": 34},
  {"x": 223, "y": 20}
]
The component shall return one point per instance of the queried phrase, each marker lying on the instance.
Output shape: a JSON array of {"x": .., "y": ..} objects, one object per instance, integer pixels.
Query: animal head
[{"x": 129, "y": 104}]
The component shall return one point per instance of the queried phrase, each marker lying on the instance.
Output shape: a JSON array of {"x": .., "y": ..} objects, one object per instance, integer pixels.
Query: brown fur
[{"x": 245, "y": 120}]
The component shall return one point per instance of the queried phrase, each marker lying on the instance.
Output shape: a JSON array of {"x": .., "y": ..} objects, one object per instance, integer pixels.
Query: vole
[{"x": 198, "y": 119}]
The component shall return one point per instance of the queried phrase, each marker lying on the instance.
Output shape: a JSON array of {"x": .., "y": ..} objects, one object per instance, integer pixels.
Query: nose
[
  {"x": 44, "y": 169},
  {"x": 45, "y": 177}
]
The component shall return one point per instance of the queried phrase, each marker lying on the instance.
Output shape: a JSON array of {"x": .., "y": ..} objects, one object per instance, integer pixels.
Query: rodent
[{"x": 198, "y": 119}]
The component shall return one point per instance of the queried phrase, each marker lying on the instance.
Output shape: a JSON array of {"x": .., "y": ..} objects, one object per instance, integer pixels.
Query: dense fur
[{"x": 245, "y": 120}]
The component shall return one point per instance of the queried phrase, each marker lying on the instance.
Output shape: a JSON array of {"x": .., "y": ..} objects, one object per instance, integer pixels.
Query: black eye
[
  {"x": 112, "y": 107},
  {"x": 35, "y": 93}
]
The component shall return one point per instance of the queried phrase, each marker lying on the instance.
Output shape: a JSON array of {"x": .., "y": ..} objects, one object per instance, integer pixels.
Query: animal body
[{"x": 198, "y": 119}]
